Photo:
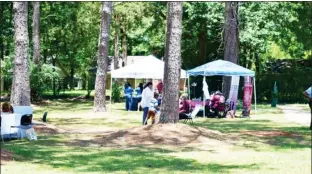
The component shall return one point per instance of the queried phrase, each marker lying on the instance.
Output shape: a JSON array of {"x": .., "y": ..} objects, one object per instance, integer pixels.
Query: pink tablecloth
[{"x": 194, "y": 103}]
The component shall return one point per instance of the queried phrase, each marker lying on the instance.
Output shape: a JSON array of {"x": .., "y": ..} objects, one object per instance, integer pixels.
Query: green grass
[
  {"x": 236, "y": 152},
  {"x": 71, "y": 93}
]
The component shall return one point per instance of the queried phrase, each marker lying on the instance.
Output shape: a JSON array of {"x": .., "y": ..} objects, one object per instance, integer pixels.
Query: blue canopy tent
[{"x": 222, "y": 68}]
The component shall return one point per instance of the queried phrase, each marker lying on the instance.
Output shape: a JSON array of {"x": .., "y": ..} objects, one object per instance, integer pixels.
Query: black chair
[
  {"x": 26, "y": 123},
  {"x": 44, "y": 118}
]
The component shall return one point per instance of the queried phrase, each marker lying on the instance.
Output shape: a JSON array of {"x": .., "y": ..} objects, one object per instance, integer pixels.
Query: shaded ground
[
  {"x": 169, "y": 134},
  {"x": 6, "y": 156},
  {"x": 269, "y": 133}
]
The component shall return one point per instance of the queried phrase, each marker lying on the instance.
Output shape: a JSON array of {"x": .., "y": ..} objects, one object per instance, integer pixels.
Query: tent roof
[
  {"x": 148, "y": 67},
  {"x": 222, "y": 68}
]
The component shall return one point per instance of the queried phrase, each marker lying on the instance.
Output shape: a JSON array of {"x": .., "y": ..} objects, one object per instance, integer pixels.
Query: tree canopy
[{"x": 69, "y": 32}]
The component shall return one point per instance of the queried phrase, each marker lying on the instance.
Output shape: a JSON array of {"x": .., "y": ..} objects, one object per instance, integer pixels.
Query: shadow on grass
[
  {"x": 294, "y": 136},
  {"x": 138, "y": 160}
]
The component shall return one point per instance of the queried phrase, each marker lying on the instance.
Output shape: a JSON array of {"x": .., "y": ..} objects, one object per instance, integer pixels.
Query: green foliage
[
  {"x": 42, "y": 79},
  {"x": 291, "y": 83},
  {"x": 116, "y": 92},
  {"x": 201, "y": 19},
  {"x": 70, "y": 31}
]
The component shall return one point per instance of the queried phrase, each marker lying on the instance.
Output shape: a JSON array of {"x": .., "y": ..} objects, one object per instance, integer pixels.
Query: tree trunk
[
  {"x": 170, "y": 104},
  {"x": 72, "y": 74},
  {"x": 20, "y": 94},
  {"x": 100, "y": 82},
  {"x": 116, "y": 48},
  {"x": 231, "y": 41},
  {"x": 244, "y": 58},
  {"x": 250, "y": 59},
  {"x": 124, "y": 46},
  {"x": 202, "y": 40},
  {"x": 257, "y": 63},
  {"x": 36, "y": 31}
]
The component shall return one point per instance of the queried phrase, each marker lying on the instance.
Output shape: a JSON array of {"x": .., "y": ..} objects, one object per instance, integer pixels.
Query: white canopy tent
[
  {"x": 147, "y": 68},
  {"x": 222, "y": 68}
]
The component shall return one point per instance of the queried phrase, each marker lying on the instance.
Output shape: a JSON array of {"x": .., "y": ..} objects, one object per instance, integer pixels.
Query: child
[{"x": 153, "y": 108}]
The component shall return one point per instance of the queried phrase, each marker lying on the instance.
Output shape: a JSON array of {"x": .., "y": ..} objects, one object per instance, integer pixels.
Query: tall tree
[
  {"x": 116, "y": 41},
  {"x": 20, "y": 94},
  {"x": 231, "y": 41},
  {"x": 124, "y": 45},
  {"x": 169, "y": 109},
  {"x": 36, "y": 31},
  {"x": 102, "y": 61}
]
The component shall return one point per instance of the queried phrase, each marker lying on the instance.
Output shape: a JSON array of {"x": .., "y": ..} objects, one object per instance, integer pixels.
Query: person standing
[
  {"x": 308, "y": 95},
  {"x": 160, "y": 89},
  {"x": 147, "y": 96},
  {"x": 160, "y": 86},
  {"x": 128, "y": 94}
]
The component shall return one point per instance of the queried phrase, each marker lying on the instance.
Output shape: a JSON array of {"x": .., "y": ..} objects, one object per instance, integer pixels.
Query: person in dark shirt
[{"x": 184, "y": 107}]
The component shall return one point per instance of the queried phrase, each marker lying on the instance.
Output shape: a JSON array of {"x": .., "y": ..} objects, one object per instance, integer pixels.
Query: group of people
[
  {"x": 151, "y": 104},
  {"x": 129, "y": 93},
  {"x": 151, "y": 101},
  {"x": 184, "y": 106}
]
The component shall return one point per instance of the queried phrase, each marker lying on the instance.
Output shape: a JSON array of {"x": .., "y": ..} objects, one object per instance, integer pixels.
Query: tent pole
[
  {"x": 204, "y": 100},
  {"x": 188, "y": 84},
  {"x": 254, "y": 83},
  {"x": 111, "y": 93},
  {"x": 184, "y": 84}
]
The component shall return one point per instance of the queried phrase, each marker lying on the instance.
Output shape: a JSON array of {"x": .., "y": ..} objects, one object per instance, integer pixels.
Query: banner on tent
[
  {"x": 234, "y": 92},
  {"x": 205, "y": 90},
  {"x": 247, "y": 95}
]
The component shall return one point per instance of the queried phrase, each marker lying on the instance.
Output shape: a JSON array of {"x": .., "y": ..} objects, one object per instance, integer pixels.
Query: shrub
[
  {"x": 41, "y": 79},
  {"x": 116, "y": 92}
]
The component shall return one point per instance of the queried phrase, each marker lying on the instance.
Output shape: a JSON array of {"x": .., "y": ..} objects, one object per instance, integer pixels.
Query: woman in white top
[
  {"x": 147, "y": 96},
  {"x": 308, "y": 95}
]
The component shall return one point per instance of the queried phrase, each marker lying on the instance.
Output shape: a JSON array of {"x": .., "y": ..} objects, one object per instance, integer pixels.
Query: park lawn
[{"x": 242, "y": 149}]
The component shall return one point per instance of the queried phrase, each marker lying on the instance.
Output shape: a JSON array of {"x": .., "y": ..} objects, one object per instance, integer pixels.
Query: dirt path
[{"x": 296, "y": 114}]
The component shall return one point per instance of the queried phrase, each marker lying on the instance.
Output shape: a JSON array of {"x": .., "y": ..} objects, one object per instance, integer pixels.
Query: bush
[
  {"x": 41, "y": 79},
  {"x": 290, "y": 85},
  {"x": 116, "y": 92}
]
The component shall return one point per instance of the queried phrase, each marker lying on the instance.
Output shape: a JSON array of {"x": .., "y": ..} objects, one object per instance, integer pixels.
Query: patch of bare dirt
[
  {"x": 269, "y": 133},
  {"x": 47, "y": 129},
  {"x": 6, "y": 156},
  {"x": 162, "y": 134}
]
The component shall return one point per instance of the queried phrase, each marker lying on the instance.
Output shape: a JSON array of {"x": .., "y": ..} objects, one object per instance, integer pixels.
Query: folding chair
[{"x": 192, "y": 115}]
